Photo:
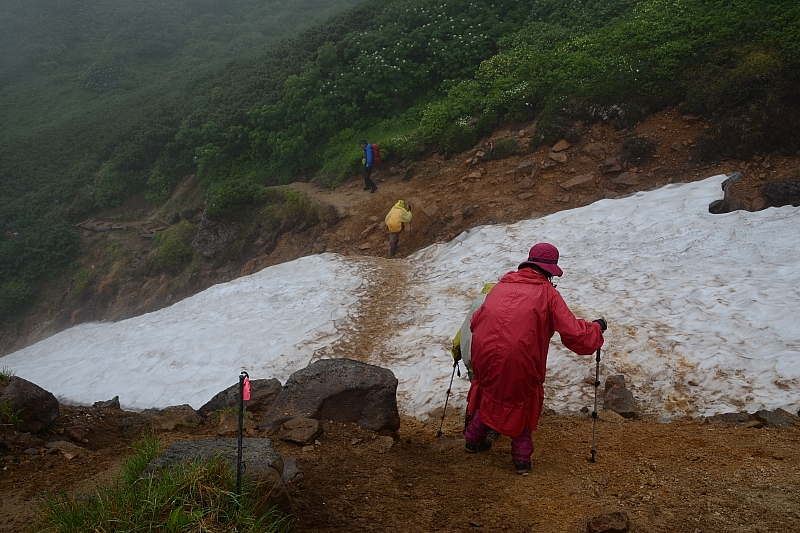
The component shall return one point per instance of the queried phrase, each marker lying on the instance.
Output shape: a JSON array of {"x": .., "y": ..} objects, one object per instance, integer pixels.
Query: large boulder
[
  {"x": 779, "y": 418},
  {"x": 262, "y": 394},
  {"x": 37, "y": 408},
  {"x": 262, "y": 465},
  {"x": 342, "y": 390}
]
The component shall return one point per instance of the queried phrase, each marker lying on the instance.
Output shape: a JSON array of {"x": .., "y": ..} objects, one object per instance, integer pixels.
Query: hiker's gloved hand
[
  {"x": 602, "y": 322},
  {"x": 363, "y": 161},
  {"x": 456, "y": 351}
]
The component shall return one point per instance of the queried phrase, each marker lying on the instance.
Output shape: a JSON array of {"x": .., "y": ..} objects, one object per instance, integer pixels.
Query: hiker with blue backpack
[
  {"x": 368, "y": 161},
  {"x": 511, "y": 334}
]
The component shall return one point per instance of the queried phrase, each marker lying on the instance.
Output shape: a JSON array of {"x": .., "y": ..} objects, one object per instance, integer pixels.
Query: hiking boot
[
  {"x": 374, "y": 188},
  {"x": 475, "y": 447},
  {"x": 523, "y": 467}
]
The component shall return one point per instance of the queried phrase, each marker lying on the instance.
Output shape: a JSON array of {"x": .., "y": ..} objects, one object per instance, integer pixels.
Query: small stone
[
  {"x": 526, "y": 195},
  {"x": 113, "y": 403},
  {"x": 303, "y": 431},
  {"x": 561, "y": 146},
  {"x": 610, "y": 523},
  {"x": 558, "y": 157},
  {"x": 577, "y": 180},
  {"x": 383, "y": 444}
]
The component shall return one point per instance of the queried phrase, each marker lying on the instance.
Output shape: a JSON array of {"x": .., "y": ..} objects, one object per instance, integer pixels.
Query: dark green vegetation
[
  {"x": 8, "y": 415},
  {"x": 102, "y": 102},
  {"x": 193, "y": 497}
]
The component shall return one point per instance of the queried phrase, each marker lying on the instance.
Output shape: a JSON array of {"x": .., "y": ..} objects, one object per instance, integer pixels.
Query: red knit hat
[{"x": 545, "y": 256}]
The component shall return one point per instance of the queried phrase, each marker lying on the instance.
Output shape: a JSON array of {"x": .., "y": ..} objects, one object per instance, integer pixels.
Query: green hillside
[{"x": 100, "y": 101}]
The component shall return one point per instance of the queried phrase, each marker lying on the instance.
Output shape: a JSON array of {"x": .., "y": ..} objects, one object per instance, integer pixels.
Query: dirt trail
[
  {"x": 372, "y": 323},
  {"x": 684, "y": 477}
]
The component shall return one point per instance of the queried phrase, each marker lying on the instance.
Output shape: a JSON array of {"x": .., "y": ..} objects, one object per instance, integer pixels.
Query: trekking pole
[
  {"x": 244, "y": 390},
  {"x": 594, "y": 413},
  {"x": 455, "y": 367}
]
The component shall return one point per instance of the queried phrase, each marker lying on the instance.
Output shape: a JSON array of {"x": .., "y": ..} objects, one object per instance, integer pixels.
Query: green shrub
[
  {"x": 638, "y": 148},
  {"x": 5, "y": 373},
  {"x": 233, "y": 197},
  {"x": 159, "y": 187},
  {"x": 554, "y": 123},
  {"x": 14, "y": 293},
  {"x": 80, "y": 281},
  {"x": 198, "y": 496},
  {"x": 502, "y": 149},
  {"x": 8, "y": 415},
  {"x": 405, "y": 147},
  {"x": 172, "y": 251}
]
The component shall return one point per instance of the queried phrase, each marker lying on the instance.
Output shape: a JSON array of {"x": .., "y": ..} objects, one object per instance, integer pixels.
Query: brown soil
[
  {"x": 685, "y": 476},
  {"x": 679, "y": 477}
]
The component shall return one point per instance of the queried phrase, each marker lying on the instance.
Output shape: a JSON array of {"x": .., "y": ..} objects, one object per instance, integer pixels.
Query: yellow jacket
[{"x": 397, "y": 216}]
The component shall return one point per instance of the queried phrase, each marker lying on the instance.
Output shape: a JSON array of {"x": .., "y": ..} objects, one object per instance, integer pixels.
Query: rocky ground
[{"x": 686, "y": 476}]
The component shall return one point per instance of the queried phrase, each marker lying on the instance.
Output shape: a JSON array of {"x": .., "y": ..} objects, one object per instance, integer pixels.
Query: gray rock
[
  {"x": 577, "y": 180},
  {"x": 133, "y": 425},
  {"x": 626, "y": 178},
  {"x": 68, "y": 449},
  {"x": 342, "y": 390},
  {"x": 618, "y": 398},
  {"x": 620, "y": 401},
  {"x": 732, "y": 419},
  {"x": 778, "y": 418},
  {"x": 171, "y": 417},
  {"x": 262, "y": 465},
  {"x": 113, "y": 403},
  {"x": 291, "y": 472},
  {"x": 213, "y": 236},
  {"x": 596, "y": 150},
  {"x": 558, "y": 157},
  {"x": 262, "y": 393},
  {"x": 174, "y": 218},
  {"x": 609, "y": 523},
  {"x": 38, "y": 409},
  {"x": 383, "y": 444},
  {"x": 615, "y": 381},
  {"x": 229, "y": 423},
  {"x": 300, "y": 431}
]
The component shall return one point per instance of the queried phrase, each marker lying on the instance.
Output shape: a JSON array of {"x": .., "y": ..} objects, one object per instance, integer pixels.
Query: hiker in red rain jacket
[{"x": 510, "y": 336}]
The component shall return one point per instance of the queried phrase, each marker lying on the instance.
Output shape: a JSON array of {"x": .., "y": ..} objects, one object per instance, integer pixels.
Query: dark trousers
[{"x": 367, "y": 180}]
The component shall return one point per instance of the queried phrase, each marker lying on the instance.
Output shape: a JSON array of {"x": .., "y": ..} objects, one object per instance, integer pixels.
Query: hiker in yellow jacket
[{"x": 398, "y": 215}]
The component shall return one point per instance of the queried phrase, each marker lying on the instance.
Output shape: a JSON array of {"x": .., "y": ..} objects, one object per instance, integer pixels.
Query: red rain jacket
[{"x": 511, "y": 333}]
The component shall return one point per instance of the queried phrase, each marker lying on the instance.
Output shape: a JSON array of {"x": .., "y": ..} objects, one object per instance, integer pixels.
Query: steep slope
[{"x": 116, "y": 278}]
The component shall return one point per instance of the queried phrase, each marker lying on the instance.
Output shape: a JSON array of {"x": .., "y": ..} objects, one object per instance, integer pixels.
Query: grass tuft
[{"x": 192, "y": 497}]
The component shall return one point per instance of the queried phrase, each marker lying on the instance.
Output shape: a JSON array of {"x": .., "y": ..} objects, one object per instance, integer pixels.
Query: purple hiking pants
[{"x": 521, "y": 445}]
